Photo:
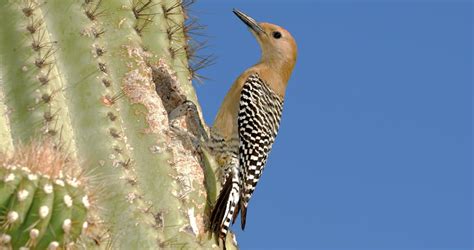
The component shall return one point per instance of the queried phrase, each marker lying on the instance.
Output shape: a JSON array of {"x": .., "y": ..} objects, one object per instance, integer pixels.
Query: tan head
[{"x": 278, "y": 46}]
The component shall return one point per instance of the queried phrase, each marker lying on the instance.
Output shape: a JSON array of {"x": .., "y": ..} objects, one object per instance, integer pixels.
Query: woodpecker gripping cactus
[{"x": 247, "y": 123}]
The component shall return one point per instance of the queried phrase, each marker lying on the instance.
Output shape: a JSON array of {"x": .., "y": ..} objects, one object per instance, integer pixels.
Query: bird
[{"x": 248, "y": 120}]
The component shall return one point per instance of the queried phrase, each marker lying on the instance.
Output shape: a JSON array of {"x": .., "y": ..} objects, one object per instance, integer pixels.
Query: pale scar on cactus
[
  {"x": 109, "y": 84},
  {"x": 43, "y": 200}
]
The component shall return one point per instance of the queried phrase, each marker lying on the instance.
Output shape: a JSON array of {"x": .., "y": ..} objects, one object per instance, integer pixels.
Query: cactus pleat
[
  {"x": 40, "y": 214},
  {"x": 8, "y": 185},
  {"x": 105, "y": 81},
  {"x": 20, "y": 202},
  {"x": 60, "y": 224}
]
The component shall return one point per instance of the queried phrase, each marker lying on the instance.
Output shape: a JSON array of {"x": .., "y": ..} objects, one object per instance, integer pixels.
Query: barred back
[{"x": 258, "y": 121}]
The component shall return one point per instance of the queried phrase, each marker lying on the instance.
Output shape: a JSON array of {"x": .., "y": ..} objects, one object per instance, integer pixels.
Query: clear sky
[{"x": 375, "y": 145}]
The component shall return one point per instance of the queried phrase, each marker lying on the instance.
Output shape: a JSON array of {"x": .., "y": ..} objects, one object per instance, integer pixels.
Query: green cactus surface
[{"x": 106, "y": 82}]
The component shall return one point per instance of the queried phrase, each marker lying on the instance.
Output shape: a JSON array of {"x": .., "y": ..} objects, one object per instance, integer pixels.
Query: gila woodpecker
[{"x": 247, "y": 123}]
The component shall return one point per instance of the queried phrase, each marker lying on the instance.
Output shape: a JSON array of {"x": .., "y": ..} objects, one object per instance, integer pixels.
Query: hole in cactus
[{"x": 167, "y": 88}]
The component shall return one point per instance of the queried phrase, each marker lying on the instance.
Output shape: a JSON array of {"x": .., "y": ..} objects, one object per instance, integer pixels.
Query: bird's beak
[{"x": 250, "y": 22}]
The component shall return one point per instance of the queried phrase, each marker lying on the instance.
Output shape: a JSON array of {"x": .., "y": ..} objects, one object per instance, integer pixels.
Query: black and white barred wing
[{"x": 258, "y": 122}]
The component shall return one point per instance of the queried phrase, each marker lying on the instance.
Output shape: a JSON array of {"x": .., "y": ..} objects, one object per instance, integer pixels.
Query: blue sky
[{"x": 375, "y": 145}]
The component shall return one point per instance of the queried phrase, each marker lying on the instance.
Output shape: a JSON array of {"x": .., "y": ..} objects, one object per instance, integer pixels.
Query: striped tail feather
[
  {"x": 225, "y": 209},
  {"x": 243, "y": 215}
]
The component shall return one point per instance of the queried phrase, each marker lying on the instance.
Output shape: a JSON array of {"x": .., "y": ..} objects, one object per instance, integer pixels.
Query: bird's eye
[{"x": 276, "y": 35}]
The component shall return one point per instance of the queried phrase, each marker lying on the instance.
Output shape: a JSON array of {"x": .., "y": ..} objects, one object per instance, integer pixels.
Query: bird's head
[{"x": 277, "y": 44}]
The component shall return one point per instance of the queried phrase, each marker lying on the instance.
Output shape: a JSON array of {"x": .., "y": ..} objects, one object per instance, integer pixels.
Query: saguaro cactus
[{"x": 108, "y": 85}]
